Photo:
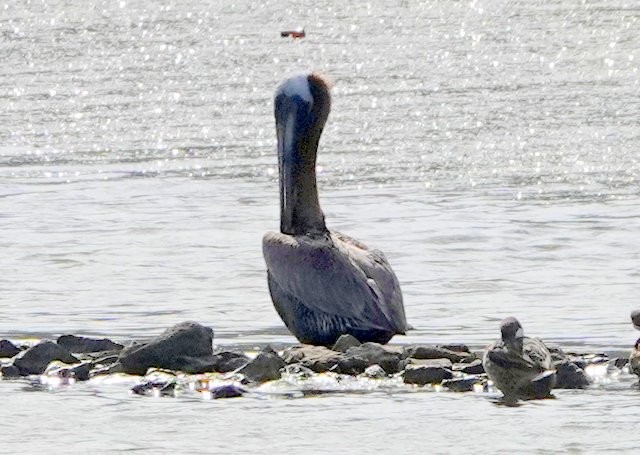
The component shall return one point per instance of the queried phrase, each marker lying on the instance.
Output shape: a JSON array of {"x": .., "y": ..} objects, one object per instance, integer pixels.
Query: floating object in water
[
  {"x": 323, "y": 283},
  {"x": 521, "y": 367},
  {"x": 295, "y": 34}
]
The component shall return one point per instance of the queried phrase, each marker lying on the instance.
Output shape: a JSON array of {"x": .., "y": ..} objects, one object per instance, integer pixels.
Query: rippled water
[{"x": 490, "y": 148}]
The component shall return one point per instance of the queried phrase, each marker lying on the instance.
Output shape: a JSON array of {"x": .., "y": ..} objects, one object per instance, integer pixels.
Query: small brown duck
[{"x": 521, "y": 367}]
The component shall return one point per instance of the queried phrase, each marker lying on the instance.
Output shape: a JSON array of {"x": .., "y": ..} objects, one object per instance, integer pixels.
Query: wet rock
[
  {"x": 35, "y": 359},
  {"x": 376, "y": 354},
  {"x": 265, "y": 367},
  {"x": 456, "y": 347},
  {"x": 352, "y": 365},
  {"x": 8, "y": 349},
  {"x": 444, "y": 363},
  {"x": 227, "y": 391},
  {"x": 301, "y": 372},
  {"x": 580, "y": 363},
  {"x": 425, "y": 374},
  {"x": 105, "y": 365},
  {"x": 466, "y": 384},
  {"x": 320, "y": 359},
  {"x": 226, "y": 361},
  {"x": 620, "y": 362},
  {"x": 570, "y": 376},
  {"x": 155, "y": 387},
  {"x": 472, "y": 358},
  {"x": 474, "y": 367},
  {"x": 317, "y": 358},
  {"x": 437, "y": 352},
  {"x": 221, "y": 362},
  {"x": 78, "y": 372},
  {"x": 9, "y": 371},
  {"x": 375, "y": 372},
  {"x": 345, "y": 342},
  {"x": 171, "y": 350},
  {"x": 78, "y": 344}
]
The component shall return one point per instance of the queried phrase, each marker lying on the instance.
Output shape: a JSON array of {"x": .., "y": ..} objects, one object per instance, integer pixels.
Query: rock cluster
[{"x": 188, "y": 348}]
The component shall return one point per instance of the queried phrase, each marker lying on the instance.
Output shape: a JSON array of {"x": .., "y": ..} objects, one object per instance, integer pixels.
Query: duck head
[{"x": 512, "y": 334}]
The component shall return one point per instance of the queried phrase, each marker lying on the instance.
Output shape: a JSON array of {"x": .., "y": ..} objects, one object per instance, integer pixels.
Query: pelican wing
[
  {"x": 327, "y": 276},
  {"x": 382, "y": 279}
]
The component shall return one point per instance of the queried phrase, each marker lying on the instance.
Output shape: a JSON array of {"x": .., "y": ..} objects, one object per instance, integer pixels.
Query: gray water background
[{"x": 489, "y": 148}]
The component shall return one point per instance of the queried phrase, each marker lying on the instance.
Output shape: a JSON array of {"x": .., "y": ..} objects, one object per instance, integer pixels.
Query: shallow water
[{"x": 488, "y": 147}]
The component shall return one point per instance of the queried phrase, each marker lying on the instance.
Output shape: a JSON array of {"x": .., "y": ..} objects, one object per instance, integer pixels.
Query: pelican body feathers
[{"x": 323, "y": 283}]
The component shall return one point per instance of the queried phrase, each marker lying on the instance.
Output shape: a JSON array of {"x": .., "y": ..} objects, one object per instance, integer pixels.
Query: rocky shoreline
[{"x": 183, "y": 357}]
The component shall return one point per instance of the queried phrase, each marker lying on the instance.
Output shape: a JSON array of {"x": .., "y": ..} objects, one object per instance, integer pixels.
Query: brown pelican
[
  {"x": 519, "y": 366},
  {"x": 323, "y": 283}
]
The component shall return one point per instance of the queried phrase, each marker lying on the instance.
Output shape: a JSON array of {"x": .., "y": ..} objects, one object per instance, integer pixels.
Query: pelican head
[
  {"x": 302, "y": 104},
  {"x": 512, "y": 333}
]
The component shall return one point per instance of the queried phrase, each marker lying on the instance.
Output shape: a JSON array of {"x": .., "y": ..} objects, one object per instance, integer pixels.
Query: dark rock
[
  {"x": 436, "y": 352},
  {"x": 9, "y": 371},
  {"x": 345, "y": 342},
  {"x": 226, "y": 361},
  {"x": 462, "y": 384},
  {"x": 78, "y": 372},
  {"x": 227, "y": 391},
  {"x": 78, "y": 344},
  {"x": 474, "y": 367},
  {"x": 155, "y": 387},
  {"x": 221, "y": 362},
  {"x": 81, "y": 372},
  {"x": 170, "y": 350},
  {"x": 265, "y": 367},
  {"x": 472, "y": 358},
  {"x": 456, "y": 347},
  {"x": 352, "y": 365},
  {"x": 35, "y": 359},
  {"x": 320, "y": 359},
  {"x": 620, "y": 362},
  {"x": 8, "y": 349},
  {"x": 317, "y": 358},
  {"x": 570, "y": 376},
  {"x": 376, "y": 354},
  {"x": 424, "y": 374},
  {"x": 580, "y": 363}
]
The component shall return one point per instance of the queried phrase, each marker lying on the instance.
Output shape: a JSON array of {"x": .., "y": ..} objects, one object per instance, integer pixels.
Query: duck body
[
  {"x": 323, "y": 283},
  {"x": 521, "y": 367},
  {"x": 634, "y": 359}
]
